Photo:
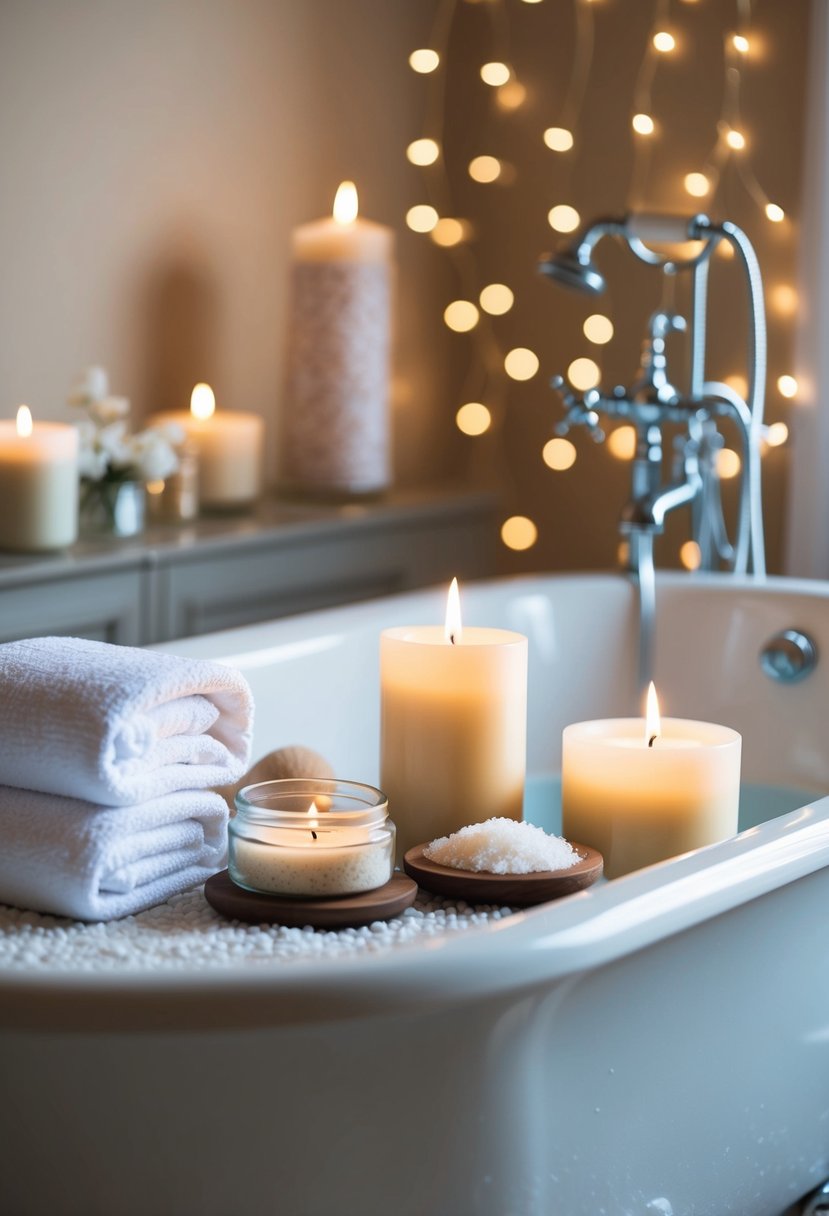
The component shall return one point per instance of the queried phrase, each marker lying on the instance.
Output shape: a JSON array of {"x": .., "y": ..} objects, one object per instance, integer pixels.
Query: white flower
[
  {"x": 156, "y": 459},
  {"x": 108, "y": 409},
  {"x": 173, "y": 432},
  {"x": 92, "y": 463},
  {"x": 92, "y": 385}
]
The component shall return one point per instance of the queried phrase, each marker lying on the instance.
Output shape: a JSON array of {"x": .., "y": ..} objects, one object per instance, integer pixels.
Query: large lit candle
[
  {"x": 229, "y": 445},
  {"x": 453, "y": 725},
  {"x": 641, "y": 790},
  {"x": 334, "y": 436},
  {"x": 38, "y": 484}
]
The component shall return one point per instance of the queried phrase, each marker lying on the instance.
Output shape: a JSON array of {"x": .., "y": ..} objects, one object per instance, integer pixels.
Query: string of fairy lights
[{"x": 494, "y": 364}]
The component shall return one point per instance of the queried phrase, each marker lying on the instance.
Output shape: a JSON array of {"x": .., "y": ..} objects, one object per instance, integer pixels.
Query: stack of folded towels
[{"x": 109, "y": 757}]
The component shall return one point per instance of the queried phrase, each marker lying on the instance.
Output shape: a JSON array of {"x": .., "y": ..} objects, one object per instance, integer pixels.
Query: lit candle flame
[
  {"x": 653, "y": 725},
  {"x": 453, "y": 629},
  {"x": 202, "y": 402},
  {"x": 24, "y": 422},
  {"x": 313, "y": 822},
  {"x": 346, "y": 206}
]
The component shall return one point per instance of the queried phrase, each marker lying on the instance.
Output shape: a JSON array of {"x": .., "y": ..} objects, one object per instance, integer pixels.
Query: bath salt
[{"x": 502, "y": 846}]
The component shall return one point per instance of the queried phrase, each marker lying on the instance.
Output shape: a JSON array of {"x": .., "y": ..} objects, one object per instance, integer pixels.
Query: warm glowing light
[
  {"x": 623, "y": 553},
  {"x": 584, "y": 374},
  {"x": 559, "y": 139},
  {"x": 653, "y": 724},
  {"x": 511, "y": 95},
  {"x": 697, "y": 184},
  {"x": 202, "y": 402},
  {"x": 495, "y": 74},
  {"x": 774, "y": 213},
  {"x": 728, "y": 463},
  {"x": 642, "y": 124},
  {"x": 735, "y": 139},
  {"x": 461, "y": 315},
  {"x": 485, "y": 169},
  {"x": 740, "y": 43},
  {"x": 448, "y": 232},
  {"x": 473, "y": 418},
  {"x": 598, "y": 328},
  {"x": 783, "y": 299},
  {"x": 521, "y": 363},
  {"x": 777, "y": 434},
  {"x": 787, "y": 386},
  {"x": 423, "y": 151},
  {"x": 346, "y": 205},
  {"x": 519, "y": 532},
  {"x": 496, "y": 299},
  {"x": 453, "y": 627},
  {"x": 155, "y": 487},
  {"x": 313, "y": 821},
  {"x": 690, "y": 555},
  {"x": 664, "y": 42},
  {"x": 24, "y": 422},
  {"x": 563, "y": 218},
  {"x": 424, "y": 60},
  {"x": 621, "y": 442},
  {"x": 725, "y": 250},
  {"x": 739, "y": 384},
  {"x": 559, "y": 454},
  {"x": 421, "y": 217}
]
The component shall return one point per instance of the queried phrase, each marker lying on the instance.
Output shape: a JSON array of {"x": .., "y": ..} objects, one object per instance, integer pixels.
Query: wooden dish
[
  {"x": 518, "y": 890},
  {"x": 339, "y": 912}
]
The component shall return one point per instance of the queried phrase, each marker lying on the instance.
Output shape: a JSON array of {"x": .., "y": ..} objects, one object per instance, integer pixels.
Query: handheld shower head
[{"x": 570, "y": 270}]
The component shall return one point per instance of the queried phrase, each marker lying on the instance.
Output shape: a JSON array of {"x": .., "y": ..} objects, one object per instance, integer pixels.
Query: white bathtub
[{"x": 658, "y": 1044}]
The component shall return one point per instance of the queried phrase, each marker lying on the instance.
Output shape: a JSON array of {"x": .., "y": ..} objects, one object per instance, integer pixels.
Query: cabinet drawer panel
[{"x": 105, "y": 607}]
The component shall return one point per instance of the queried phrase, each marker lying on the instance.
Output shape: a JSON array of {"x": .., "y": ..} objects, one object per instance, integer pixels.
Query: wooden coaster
[
  {"x": 340, "y": 912},
  {"x": 518, "y": 890}
]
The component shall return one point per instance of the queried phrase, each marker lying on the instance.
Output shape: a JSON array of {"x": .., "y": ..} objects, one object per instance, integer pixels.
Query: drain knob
[{"x": 788, "y": 656}]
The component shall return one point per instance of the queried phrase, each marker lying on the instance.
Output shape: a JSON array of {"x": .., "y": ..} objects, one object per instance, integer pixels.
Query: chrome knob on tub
[
  {"x": 789, "y": 656},
  {"x": 817, "y": 1202}
]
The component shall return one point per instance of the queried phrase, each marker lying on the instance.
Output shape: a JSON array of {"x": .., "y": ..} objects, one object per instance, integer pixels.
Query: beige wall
[{"x": 156, "y": 155}]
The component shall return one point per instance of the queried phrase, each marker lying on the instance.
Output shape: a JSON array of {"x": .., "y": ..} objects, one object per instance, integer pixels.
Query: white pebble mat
[{"x": 185, "y": 932}]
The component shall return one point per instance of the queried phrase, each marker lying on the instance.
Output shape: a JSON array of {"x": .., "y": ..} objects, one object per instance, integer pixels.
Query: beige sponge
[{"x": 294, "y": 761}]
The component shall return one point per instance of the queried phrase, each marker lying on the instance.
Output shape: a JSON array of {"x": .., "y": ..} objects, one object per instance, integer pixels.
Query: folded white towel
[
  {"x": 118, "y": 725},
  {"x": 78, "y": 859}
]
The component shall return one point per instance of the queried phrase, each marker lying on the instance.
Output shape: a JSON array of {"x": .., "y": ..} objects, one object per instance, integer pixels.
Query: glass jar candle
[{"x": 311, "y": 837}]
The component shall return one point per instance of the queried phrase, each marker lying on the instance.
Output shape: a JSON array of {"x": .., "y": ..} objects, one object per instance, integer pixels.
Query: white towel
[
  {"x": 118, "y": 725},
  {"x": 75, "y": 858}
]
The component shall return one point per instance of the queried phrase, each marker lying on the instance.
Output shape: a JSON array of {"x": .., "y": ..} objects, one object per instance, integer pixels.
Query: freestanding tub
[{"x": 657, "y": 1044}]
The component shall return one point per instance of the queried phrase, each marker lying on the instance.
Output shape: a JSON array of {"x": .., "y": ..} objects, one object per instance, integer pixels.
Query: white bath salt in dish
[{"x": 502, "y": 846}]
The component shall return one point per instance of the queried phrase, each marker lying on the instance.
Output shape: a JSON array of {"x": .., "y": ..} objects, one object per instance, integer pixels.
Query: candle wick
[
  {"x": 313, "y": 833},
  {"x": 452, "y": 638},
  {"x": 652, "y": 740}
]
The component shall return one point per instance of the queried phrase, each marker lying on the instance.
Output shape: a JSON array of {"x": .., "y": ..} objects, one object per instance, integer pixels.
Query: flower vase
[{"x": 112, "y": 508}]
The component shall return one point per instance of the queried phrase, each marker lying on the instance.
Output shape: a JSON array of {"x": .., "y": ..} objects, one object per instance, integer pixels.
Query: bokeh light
[
  {"x": 485, "y": 169},
  {"x": 496, "y": 299},
  {"x": 423, "y": 151},
  {"x": 473, "y": 418},
  {"x": 621, "y": 442},
  {"x": 461, "y": 316},
  {"x": 424, "y": 60},
  {"x": 558, "y": 139},
  {"x": 787, "y": 386},
  {"x": 728, "y": 463},
  {"x": 559, "y": 454},
  {"x": 584, "y": 374},
  {"x": 495, "y": 74},
  {"x": 689, "y": 555},
  {"x": 521, "y": 363},
  {"x": 598, "y": 328},
  {"x": 519, "y": 532},
  {"x": 563, "y": 218}
]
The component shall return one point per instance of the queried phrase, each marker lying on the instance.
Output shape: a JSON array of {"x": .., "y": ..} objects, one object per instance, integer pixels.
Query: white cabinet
[{"x": 234, "y": 570}]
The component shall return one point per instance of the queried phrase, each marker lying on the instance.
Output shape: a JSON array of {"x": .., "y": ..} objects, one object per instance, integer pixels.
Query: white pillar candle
[
  {"x": 38, "y": 484},
  {"x": 640, "y": 792},
  {"x": 453, "y": 727},
  {"x": 229, "y": 445},
  {"x": 334, "y": 434}
]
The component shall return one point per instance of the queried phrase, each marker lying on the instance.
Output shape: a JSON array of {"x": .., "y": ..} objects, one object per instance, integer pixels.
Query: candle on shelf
[
  {"x": 640, "y": 791},
  {"x": 229, "y": 445},
  {"x": 453, "y": 725},
  {"x": 311, "y": 837},
  {"x": 334, "y": 435},
  {"x": 38, "y": 484}
]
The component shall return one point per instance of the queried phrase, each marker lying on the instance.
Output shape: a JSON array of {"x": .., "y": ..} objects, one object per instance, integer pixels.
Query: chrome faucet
[{"x": 653, "y": 402}]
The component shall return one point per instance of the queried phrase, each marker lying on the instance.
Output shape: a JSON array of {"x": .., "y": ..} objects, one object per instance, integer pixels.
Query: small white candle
[
  {"x": 335, "y": 418},
  {"x": 38, "y": 484},
  {"x": 640, "y": 791},
  {"x": 314, "y": 852},
  {"x": 230, "y": 447},
  {"x": 453, "y": 726}
]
